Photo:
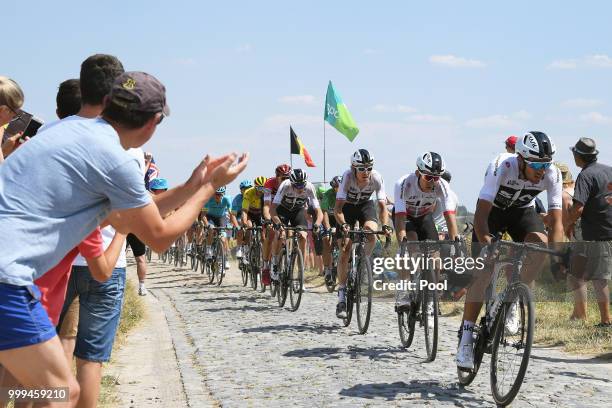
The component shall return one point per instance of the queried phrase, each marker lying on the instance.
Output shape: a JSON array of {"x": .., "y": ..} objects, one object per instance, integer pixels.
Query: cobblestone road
[{"x": 237, "y": 348}]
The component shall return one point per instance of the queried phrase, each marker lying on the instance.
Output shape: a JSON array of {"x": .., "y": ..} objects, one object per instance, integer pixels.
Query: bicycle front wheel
[
  {"x": 512, "y": 340},
  {"x": 406, "y": 322},
  {"x": 363, "y": 292},
  {"x": 429, "y": 312},
  {"x": 281, "y": 293},
  {"x": 220, "y": 261},
  {"x": 296, "y": 282}
]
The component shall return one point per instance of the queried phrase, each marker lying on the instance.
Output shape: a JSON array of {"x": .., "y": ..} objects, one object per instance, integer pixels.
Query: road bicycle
[{"x": 510, "y": 348}]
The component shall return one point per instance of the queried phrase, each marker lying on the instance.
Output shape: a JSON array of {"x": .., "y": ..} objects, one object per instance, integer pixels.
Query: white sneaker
[
  {"x": 227, "y": 264},
  {"x": 239, "y": 253},
  {"x": 513, "y": 320},
  {"x": 430, "y": 315},
  {"x": 403, "y": 299},
  {"x": 465, "y": 356},
  {"x": 142, "y": 291}
]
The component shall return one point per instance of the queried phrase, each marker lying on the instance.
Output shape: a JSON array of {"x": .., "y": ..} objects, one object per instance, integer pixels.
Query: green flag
[{"x": 337, "y": 114}]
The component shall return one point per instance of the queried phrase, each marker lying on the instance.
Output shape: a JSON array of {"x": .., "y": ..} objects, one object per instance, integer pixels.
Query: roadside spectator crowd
[
  {"x": 72, "y": 195},
  {"x": 69, "y": 196}
]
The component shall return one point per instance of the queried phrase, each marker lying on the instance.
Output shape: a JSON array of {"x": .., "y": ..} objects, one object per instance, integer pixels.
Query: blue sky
[{"x": 451, "y": 77}]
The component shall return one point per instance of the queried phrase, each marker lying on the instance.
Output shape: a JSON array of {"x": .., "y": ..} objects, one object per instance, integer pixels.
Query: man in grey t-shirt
[
  {"x": 590, "y": 204},
  {"x": 58, "y": 187}
]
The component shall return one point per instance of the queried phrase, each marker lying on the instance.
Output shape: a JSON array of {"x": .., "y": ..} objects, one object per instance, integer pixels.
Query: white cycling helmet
[
  {"x": 430, "y": 163},
  {"x": 362, "y": 158},
  {"x": 535, "y": 145}
]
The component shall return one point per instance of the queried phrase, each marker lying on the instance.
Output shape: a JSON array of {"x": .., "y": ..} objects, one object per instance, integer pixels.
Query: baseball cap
[
  {"x": 511, "y": 141},
  {"x": 139, "y": 91}
]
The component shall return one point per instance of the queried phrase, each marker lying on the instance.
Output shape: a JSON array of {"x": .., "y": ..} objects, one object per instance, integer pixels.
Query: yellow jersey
[{"x": 251, "y": 202}]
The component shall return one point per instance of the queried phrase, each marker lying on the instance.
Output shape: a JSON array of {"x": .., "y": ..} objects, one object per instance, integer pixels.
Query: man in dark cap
[{"x": 590, "y": 204}]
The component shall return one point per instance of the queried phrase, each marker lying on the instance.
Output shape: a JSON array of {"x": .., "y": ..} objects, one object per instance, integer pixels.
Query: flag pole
[
  {"x": 324, "y": 180},
  {"x": 290, "y": 155}
]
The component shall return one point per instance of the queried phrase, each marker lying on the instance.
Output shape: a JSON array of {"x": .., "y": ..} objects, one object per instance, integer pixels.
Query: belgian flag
[{"x": 298, "y": 148}]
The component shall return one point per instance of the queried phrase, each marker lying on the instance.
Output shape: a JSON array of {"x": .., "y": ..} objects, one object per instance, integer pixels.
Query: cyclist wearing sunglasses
[
  {"x": 252, "y": 204},
  {"x": 506, "y": 203},
  {"x": 415, "y": 200},
  {"x": 289, "y": 208},
  {"x": 216, "y": 212},
  {"x": 281, "y": 173},
  {"x": 353, "y": 204}
]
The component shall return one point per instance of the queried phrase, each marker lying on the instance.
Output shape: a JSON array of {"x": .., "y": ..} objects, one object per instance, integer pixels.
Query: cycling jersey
[
  {"x": 251, "y": 202},
  {"x": 271, "y": 187},
  {"x": 237, "y": 203},
  {"x": 350, "y": 191},
  {"x": 293, "y": 199},
  {"x": 414, "y": 202},
  {"x": 505, "y": 189},
  {"x": 218, "y": 209},
  {"x": 328, "y": 201}
]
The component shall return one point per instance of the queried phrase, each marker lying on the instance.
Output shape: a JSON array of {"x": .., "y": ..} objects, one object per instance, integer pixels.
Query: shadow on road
[
  {"x": 238, "y": 308},
  {"x": 332, "y": 353},
  {"x": 424, "y": 390},
  {"x": 311, "y": 328}
]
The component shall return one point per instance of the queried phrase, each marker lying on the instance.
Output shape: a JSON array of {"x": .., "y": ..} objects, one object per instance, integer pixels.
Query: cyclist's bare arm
[
  {"x": 266, "y": 212},
  {"x": 384, "y": 214},
  {"x": 102, "y": 267},
  {"x": 451, "y": 224},
  {"x": 555, "y": 232},
  {"x": 400, "y": 226},
  {"x": 244, "y": 216},
  {"x": 319, "y": 218},
  {"x": 481, "y": 221},
  {"x": 338, "y": 212},
  {"x": 233, "y": 220},
  {"x": 274, "y": 214}
]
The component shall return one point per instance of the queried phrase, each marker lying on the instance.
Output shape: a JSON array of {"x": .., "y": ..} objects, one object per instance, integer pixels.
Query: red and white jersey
[
  {"x": 505, "y": 189},
  {"x": 414, "y": 202},
  {"x": 270, "y": 188},
  {"x": 350, "y": 191},
  {"x": 294, "y": 199}
]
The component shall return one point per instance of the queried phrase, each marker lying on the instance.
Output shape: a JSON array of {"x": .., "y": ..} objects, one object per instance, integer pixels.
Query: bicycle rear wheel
[
  {"x": 245, "y": 273},
  {"x": 406, "y": 321},
  {"x": 363, "y": 292},
  {"x": 511, "y": 349},
  {"x": 296, "y": 282},
  {"x": 350, "y": 300}
]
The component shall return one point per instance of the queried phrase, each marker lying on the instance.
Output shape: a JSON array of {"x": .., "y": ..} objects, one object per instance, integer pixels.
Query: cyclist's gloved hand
[
  {"x": 315, "y": 228},
  {"x": 276, "y": 226},
  {"x": 387, "y": 229}
]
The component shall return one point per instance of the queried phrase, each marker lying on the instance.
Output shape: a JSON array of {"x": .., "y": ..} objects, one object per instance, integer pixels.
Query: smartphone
[
  {"x": 17, "y": 125},
  {"x": 32, "y": 128}
]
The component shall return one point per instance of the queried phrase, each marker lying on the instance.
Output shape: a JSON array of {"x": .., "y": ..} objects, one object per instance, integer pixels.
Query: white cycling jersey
[
  {"x": 414, "y": 202},
  {"x": 293, "y": 199},
  {"x": 350, "y": 191},
  {"x": 505, "y": 189}
]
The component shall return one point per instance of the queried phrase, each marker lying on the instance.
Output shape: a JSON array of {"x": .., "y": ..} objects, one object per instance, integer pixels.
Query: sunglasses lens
[
  {"x": 363, "y": 169},
  {"x": 539, "y": 165}
]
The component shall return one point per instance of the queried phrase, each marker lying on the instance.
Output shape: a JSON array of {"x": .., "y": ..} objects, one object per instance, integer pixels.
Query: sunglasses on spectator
[
  {"x": 364, "y": 169},
  {"x": 539, "y": 165},
  {"x": 16, "y": 113}
]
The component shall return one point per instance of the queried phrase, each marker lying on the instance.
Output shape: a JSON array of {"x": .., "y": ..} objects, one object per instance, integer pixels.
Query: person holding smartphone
[{"x": 11, "y": 101}]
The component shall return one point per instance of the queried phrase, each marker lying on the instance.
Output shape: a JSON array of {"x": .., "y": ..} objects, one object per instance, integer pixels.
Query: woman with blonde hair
[{"x": 11, "y": 101}]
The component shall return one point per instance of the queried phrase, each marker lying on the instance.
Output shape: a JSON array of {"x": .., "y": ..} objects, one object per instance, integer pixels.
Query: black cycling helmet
[
  {"x": 335, "y": 182},
  {"x": 298, "y": 176}
]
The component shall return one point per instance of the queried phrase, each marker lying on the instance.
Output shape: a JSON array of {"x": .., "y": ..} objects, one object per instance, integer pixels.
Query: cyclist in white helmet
[
  {"x": 506, "y": 203},
  {"x": 353, "y": 204},
  {"x": 416, "y": 195}
]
